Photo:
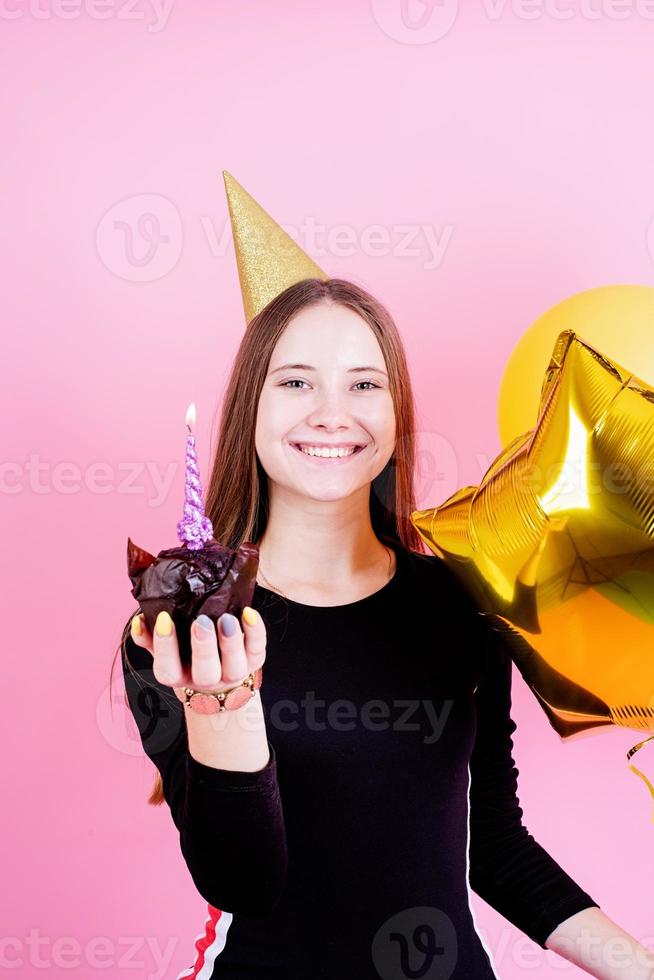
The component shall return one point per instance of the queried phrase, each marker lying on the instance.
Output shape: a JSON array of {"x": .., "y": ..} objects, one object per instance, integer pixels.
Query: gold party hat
[{"x": 268, "y": 259}]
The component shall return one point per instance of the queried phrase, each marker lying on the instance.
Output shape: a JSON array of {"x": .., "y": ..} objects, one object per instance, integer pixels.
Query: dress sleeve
[
  {"x": 509, "y": 869},
  {"x": 231, "y": 823}
]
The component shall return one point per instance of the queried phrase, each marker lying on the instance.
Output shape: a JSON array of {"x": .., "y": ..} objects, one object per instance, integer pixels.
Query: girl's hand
[{"x": 217, "y": 662}]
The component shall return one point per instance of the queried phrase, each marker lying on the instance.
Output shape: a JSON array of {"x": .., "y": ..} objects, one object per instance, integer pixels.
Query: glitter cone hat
[{"x": 267, "y": 258}]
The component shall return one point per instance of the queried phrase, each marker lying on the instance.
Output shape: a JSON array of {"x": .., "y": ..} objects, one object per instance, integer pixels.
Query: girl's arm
[
  {"x": 230, "y": 822},
  {"x": 511, "y": 871},
  {"x": 508, "y": 868},
  {"x": 597, "y": 944}
]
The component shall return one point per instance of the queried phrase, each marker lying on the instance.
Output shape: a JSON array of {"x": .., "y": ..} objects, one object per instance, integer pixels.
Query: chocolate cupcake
[{"x": 186, "y": 582}]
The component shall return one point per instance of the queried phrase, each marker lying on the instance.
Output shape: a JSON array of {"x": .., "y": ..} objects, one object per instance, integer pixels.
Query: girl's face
[{"x": 326, "y": 386}]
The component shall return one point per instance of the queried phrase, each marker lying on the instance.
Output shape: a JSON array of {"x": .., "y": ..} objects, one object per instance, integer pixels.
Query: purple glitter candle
[
  {"x": 195, "y": 528},
  {"x": 200, "y": 575}
]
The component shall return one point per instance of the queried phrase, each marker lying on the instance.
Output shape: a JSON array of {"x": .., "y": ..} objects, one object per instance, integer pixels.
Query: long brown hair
[{"x": 237, "y": 493}]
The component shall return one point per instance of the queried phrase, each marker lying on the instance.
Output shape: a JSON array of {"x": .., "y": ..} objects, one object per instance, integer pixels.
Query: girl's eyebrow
[{"x": 308, "y": 367}]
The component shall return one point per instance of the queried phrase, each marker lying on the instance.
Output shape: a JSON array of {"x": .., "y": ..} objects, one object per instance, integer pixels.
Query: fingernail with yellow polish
[
  {"x": 136, "y": 625},
  {"x": 250, "y": 615},
  {"x": 164, "y": 624}
]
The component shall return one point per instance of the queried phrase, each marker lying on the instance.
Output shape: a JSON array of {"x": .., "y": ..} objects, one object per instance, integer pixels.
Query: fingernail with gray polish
[
  {"x": 228, "y": 624},
  {"x": 204, "y": 622}
]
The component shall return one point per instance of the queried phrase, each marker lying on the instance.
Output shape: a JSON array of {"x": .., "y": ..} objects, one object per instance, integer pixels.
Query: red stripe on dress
[{"x": 208, "y": 945}]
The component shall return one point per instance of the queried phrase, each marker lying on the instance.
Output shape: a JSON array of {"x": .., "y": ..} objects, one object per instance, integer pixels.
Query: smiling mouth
[{"x": 327, "y": 459}]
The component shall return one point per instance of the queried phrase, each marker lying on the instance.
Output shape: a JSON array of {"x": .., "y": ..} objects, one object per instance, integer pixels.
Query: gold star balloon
[{"x": 556, "y": 544}]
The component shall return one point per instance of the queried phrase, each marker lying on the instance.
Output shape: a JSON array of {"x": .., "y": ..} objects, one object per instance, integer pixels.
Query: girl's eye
[{"x": 292, "y": 381}]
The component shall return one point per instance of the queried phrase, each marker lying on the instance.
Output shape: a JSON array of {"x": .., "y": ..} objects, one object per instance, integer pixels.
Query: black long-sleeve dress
[{"x": 390, "y": 789}]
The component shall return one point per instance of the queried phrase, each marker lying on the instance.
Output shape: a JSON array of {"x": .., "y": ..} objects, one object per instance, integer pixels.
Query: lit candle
[{"x": 195, "y": 528}]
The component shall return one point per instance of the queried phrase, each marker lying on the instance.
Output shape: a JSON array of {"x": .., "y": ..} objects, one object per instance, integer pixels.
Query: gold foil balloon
[
  {"x": 618, "y": 320},
  {"x": 556, "y": 544}
]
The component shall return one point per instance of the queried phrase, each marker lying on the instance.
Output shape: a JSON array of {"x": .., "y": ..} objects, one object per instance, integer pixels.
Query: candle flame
[{"x": 190, "y": 415}]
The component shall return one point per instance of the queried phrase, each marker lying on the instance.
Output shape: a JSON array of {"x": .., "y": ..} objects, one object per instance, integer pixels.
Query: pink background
[{"x": 520, "y": 136}]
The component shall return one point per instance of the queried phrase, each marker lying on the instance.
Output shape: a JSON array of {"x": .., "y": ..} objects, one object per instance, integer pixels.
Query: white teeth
[{"x": 325, "y": 452}]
